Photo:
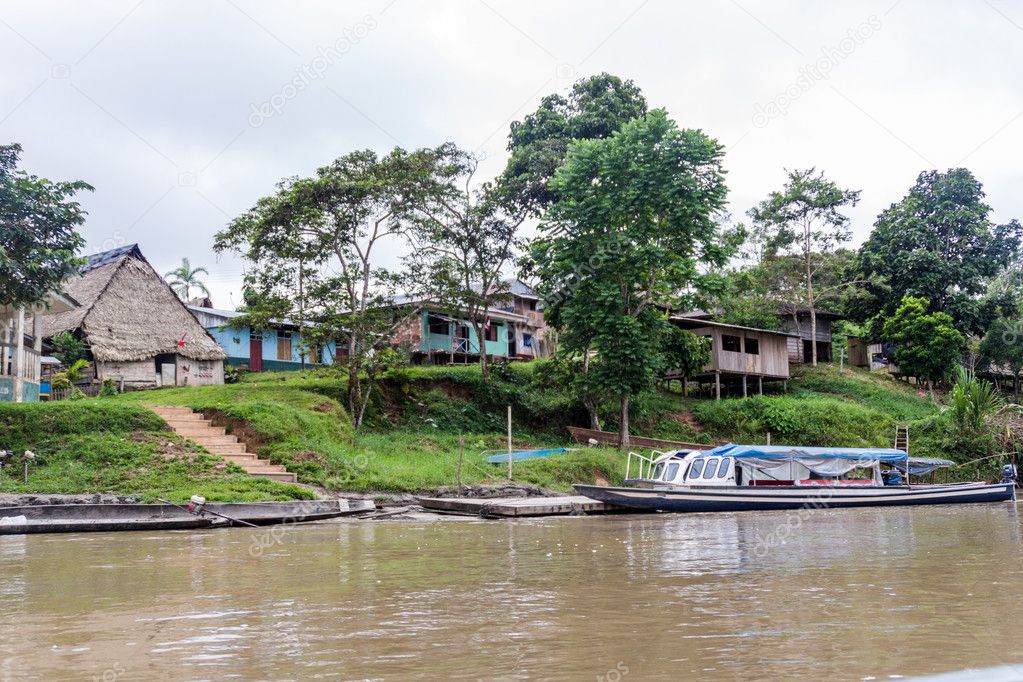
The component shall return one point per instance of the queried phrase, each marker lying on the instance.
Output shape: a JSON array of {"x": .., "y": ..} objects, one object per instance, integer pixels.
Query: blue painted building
[{"x": 277, "y": 348}]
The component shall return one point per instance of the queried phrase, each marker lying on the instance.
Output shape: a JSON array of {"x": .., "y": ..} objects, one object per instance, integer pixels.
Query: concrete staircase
[{"x": 191, "y": 425}]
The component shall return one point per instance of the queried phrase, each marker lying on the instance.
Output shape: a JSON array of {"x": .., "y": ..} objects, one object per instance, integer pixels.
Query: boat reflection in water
[{"x": 765, "y": 477}]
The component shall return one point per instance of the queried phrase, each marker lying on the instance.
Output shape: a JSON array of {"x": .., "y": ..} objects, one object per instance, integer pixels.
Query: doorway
[{"x": 256, "y": 352}]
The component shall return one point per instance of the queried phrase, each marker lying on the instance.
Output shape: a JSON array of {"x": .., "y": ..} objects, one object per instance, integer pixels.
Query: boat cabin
[{"x": 748, "y": 465}]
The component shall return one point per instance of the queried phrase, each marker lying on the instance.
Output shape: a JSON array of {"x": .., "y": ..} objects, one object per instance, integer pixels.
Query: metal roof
[{"x": 105, "y": 257}]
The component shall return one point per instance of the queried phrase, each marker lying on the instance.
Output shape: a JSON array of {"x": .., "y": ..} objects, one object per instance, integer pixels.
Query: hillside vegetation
[
  {"x": 410, "y": 442},
  {"x": 107, "y": 446}
]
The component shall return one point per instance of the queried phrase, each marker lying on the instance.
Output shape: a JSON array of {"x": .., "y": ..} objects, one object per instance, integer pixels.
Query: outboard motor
[{"x": 1008, "y": 473}]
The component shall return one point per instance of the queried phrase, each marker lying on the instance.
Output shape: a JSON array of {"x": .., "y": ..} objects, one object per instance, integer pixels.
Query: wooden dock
[{"x": 516, "y": 506}]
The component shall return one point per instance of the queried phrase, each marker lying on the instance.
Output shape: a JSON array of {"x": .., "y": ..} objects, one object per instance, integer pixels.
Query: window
[
  {"x": 658, "y": 470},
  {"x": 463, "y": 331},
  {"x": 527, "y": 340},
  {"x": 672, "y": 472},
  {"x": 316, "y": 355},
  {"x": 723, "y": 469},
  {"x": 752, "y": 346},
  {"x": 284, "y": 345},
  {"x": 696, "y": 469},
  {"x": 731, "y": 343},
  {"x": 712, "y": 467},
  {"x": 255, "y": 336},
  {"x": 437, "y": 325},
  {"x": 532, "y": 305},
  {"x": 491, "y": 331}
]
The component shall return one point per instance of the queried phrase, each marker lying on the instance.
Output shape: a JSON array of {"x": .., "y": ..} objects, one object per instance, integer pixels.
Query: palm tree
[{"x": 184, "y": 278}]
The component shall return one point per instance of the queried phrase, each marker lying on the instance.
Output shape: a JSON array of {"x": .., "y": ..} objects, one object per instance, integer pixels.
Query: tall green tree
[
  {"x": 1002, "y": 349},
  {"x": 937, "y": 243},
  {"x": 633, "y": 221},
  {"x": 462, "y": 242},
  {"x": 805, "y": 218},
  {"x": 928, "y": 346},
  {"x": 329, "y": 228},
  {"x": 38, "y": 231},
  {"x": 595, "y": 108},
  {"x": 184, "y": 278}
]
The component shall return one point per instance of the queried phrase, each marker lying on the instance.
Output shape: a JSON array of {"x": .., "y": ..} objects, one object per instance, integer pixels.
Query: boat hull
[
  {"x": 76, "y": 518},
  {"x": 694, "y": 499}
]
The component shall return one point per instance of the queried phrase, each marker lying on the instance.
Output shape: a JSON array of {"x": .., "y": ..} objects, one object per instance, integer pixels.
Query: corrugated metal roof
[{"x": 105, "y": 257}]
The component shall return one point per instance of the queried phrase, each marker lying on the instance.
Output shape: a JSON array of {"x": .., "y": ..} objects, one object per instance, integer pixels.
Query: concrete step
[
  {"x": 175, "y": 423},
  {"x": 244, "y": 460},
  {"x": 208, "y": 441},
  {"x": 233, "y": 449},
  {"x": 171, "y": 409},
  {"x": 285, "y": 477},
  {"x": 200, "y": 431}
]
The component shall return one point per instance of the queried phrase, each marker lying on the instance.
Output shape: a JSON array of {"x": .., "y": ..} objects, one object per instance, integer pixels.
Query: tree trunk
[
  {"x": 930, "y": 389},
  {"x": 623, "y": 426},
  {"x": 809, "y": 295},
  {"x": 354, "y": 385},
  {"x": 481, "y": 339},
  {"x": 588, "y": 401},
  {"x": 591, "y": 409}
]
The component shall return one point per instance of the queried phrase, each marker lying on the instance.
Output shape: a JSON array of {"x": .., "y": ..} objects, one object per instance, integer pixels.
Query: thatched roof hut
[{"x": 129, "y": 314}]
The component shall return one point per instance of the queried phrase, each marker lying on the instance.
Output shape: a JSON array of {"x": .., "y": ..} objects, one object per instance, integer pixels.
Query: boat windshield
[
  {"x": 696, "y": 469},
  {"x": 672, "y": 472},
  {"x": 726, "y": 464},
  {"x": 711, "y": 468},
  {"x": 658, "y": 470}
]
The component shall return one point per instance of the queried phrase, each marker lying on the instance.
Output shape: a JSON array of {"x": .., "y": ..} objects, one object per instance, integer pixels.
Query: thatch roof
[{"x": 128, "y": 312}]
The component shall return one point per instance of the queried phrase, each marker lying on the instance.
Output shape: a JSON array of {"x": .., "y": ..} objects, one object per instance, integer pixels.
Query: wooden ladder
[{"x": 902, "y": 437}]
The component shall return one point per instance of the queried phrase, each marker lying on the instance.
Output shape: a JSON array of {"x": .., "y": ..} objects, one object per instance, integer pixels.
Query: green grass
[
  {"x": 410, "y": 443},
  {"x": 107, "y": 446}
]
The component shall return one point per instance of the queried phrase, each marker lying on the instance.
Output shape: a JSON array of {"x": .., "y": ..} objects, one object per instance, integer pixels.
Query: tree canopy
[
  {"x": 38, "y": 235},
  {"x": 633, "y": 220},
  {"x": 313, "y": 248},
  {"x": 594, "y": 109},
  {"x": 928, "y": 344},
  {"x": 805, "y": 218},
  {"x": 937, "y": 243},
  {"x": 1002, "y": 348}
]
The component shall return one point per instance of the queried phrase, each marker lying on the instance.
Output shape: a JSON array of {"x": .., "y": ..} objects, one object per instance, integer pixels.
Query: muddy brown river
[{"x": 834, "y": 594}]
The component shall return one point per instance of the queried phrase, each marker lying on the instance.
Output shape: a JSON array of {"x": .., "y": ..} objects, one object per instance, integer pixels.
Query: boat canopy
[
  {"x": 821, "y": 461},
  {"x": 921, "y": 466},
  {"x": 788, "y": 452}
]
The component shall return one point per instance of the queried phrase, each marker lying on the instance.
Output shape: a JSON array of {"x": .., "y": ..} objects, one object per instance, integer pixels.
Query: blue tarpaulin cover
[
  {"x": 524, "y": 454},
  {"x": 784, "y": 452},
  {"x": 921, "y": 466}
]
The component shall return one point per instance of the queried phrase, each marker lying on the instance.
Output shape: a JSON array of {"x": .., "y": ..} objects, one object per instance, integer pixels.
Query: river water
[{"x": 834, "y": 594}]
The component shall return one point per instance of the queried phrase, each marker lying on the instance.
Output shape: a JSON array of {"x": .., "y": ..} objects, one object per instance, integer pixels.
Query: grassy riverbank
[
  {"x": 410, "y": 442},
  {"x": 119, "y": 447}
]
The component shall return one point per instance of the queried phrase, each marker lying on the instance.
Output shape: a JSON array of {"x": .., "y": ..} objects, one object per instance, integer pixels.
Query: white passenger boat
[{"x": 761, "y": 477}]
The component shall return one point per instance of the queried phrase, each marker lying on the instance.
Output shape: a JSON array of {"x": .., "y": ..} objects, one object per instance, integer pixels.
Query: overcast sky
[{"x": 183, "y": 113}]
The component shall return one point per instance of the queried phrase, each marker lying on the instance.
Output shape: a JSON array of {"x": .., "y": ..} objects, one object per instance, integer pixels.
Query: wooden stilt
[
  {"x": 760, "y": 385},
  {"x": 717, "y": 385},
  {"x": 745, "y": 394}
]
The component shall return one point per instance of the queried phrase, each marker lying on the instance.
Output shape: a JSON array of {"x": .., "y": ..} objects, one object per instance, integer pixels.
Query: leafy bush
[{"x": 794, "y": 420}]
